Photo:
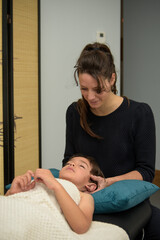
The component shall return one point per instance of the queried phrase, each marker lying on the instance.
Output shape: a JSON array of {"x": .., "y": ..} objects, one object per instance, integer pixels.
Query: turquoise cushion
[
  {"x": 122, "y": 195},
  {"x": 55, "y": 172}
]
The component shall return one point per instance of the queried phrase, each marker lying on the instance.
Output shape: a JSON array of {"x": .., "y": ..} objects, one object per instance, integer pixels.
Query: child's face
[{"x": 77, "y": 170}]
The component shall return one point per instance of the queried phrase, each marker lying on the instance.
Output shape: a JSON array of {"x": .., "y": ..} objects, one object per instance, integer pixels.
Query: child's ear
[{"x": 91, "y": 187}]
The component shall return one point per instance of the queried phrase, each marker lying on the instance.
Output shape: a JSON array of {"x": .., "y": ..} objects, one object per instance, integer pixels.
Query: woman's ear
[
  {"x": 91, "y": 187},
  {"x": 113, "y": 78}
]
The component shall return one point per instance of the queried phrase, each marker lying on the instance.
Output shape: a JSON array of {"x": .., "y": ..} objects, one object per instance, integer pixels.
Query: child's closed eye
[{"x": 82, "y": 166}]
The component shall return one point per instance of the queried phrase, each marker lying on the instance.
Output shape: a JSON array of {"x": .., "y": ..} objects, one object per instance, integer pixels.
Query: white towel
[{"x": 36, "y": 215}]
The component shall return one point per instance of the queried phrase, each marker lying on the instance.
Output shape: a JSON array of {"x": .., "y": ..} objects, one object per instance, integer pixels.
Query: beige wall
[
  {"x": 25, "y": 65},
  {"x": 25, "y": 87}
]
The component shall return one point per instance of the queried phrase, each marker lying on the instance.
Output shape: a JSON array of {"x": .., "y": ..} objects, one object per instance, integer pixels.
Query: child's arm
[
  {"x": 79, "y": 217},
  {"x": 21, "y": 183}
]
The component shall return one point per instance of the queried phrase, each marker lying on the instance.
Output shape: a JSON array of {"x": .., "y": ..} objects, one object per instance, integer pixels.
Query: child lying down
[
  {"x": 50, "y": 208},
  {"x": 78, "y": 171}
]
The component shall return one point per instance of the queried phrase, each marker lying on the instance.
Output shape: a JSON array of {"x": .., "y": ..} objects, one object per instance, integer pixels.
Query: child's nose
[{"x": 72, "y": 164}]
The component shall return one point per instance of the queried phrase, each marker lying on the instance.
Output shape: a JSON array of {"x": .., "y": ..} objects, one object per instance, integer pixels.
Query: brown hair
[{"x": 95, "y": 59}]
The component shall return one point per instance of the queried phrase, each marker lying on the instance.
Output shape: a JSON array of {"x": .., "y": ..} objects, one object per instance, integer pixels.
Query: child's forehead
[{"x": 80, "y": 159}]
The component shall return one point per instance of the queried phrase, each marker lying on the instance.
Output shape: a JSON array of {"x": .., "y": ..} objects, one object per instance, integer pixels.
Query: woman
[{"x": 119, "y": 133}]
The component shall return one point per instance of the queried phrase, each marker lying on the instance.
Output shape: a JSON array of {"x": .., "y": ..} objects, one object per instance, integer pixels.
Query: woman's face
[{"x": 89, "y": 90}]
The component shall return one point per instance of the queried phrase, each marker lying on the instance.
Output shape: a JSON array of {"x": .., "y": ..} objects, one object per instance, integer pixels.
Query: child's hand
[
  {"x": 45, "y": 176},
  {"x": 22, "y": 183}
]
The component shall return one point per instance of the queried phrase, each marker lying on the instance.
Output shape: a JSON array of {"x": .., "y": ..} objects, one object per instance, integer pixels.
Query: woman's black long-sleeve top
[{"x": 128, "y": 139}]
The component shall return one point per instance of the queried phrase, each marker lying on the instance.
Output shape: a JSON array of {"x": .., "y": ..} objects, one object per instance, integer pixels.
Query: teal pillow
[
  {"x": 55, "y": 172},
  {"x": 122, "y": 195}
]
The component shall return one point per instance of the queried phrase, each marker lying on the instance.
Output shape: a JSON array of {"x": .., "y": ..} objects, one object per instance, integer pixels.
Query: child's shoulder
[
  {"x": 86, "y": 202},
  {"x": 86, "y": 196}
]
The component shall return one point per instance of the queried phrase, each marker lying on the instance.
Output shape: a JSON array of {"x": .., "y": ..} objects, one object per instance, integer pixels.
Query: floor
[{"x": 155, "y": 199}]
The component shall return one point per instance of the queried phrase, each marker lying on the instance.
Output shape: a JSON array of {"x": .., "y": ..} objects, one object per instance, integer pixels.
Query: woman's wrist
[
  {"x": 131, "y": 175},
  {"x": 110, "y": 181}
]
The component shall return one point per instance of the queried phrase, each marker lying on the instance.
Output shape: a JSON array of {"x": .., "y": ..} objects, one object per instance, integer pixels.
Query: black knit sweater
[{"x": 128, "y": 139}]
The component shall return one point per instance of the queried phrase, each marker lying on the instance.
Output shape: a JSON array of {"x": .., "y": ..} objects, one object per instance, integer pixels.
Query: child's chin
[{"x": 66, "y": 176}]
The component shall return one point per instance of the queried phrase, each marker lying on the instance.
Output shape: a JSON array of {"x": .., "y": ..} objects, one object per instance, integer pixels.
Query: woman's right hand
[
  {"x": 22, "y": 183},
  {"x": 102, "y": 183}
]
